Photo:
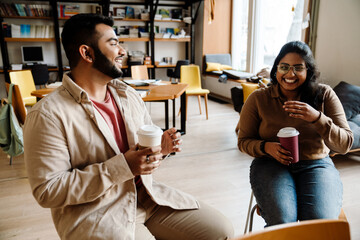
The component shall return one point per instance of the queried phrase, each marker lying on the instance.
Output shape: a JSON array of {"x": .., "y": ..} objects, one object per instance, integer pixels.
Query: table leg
[
  {"x": 183, "y": 113},
  {"x": 166, "y": 114},
  {"x": 174, "y": 119}
]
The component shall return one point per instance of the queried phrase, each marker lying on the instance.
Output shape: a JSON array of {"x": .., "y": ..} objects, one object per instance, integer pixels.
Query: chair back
[
  {"x": 40, "y": 74},
  {"x": 17, "y": 103},
  {"x": 248, "y": 88},
  {"x": 319, "y": 229},
  {"x": 26, "y": 85},
  {"x": 139, "y": 72},
  {"x": 127, "y": 72},
  {"x": 179, "y": 63},
  {"x": 191, "y": 75}
]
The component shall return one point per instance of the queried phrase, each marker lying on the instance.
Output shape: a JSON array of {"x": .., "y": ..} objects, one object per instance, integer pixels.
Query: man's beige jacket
[{"x": 76, "y": 169}]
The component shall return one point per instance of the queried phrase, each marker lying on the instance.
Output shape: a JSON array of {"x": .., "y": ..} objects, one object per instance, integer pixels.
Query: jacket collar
[{"x": 80, "y": 95}]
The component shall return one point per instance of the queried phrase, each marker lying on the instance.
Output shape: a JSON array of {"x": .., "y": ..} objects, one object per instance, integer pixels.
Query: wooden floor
[{"x": 210, "y": 167}]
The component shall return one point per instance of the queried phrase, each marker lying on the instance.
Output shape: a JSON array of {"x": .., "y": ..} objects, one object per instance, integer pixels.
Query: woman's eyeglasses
[{"x": 285, "y": 68}]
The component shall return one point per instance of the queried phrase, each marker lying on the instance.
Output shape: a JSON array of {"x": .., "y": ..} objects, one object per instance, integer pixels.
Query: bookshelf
[
  {"x": 52, "y": 15},
  {"x": 47, "y": 14},
  {"x": 154, "y": 26}
]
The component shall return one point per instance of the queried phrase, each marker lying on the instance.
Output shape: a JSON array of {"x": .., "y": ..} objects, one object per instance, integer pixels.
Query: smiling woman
[{"x": 310, "y": 188}]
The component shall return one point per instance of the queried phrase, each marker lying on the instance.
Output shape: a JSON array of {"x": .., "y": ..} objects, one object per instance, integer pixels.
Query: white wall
[{"x": 338, "y": 41}]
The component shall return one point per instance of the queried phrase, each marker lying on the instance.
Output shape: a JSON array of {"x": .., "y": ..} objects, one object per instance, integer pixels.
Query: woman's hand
[
  {"x": 170, "y": 141},
  {"x": 301, "y": 110},
  {"x": 275, "y": 150}
]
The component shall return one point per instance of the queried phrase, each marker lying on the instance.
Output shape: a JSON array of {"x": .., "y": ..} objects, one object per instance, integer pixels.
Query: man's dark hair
[
  {"x": 80, "y": 29},
  {"x": 310, "y": 92}
]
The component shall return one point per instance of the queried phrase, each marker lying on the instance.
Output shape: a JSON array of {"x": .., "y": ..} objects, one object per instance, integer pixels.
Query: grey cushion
[
  {"x": 354, "y": 124},
  {"x": 224, "y": 59},
  {"x": 349, "y": 96}
]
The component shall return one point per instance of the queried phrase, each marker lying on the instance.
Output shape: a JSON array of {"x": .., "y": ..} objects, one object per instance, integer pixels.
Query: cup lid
[
  {"x": 288, "y": 132},
  {"x": 150, "y": 130}
]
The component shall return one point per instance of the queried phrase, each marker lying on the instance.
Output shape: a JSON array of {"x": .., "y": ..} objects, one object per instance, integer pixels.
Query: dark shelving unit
[{"x": 151, "y": 5}]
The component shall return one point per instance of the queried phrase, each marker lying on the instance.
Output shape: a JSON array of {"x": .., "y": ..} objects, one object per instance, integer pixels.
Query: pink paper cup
[{"x": 288, "y": 138}]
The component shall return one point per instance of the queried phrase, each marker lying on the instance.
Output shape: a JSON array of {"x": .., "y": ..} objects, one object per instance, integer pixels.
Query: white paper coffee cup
[{"x": 149, "y": 136}]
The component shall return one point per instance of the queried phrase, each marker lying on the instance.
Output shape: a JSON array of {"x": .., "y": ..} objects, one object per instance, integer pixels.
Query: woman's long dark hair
[{"x": 310, "y": 91}]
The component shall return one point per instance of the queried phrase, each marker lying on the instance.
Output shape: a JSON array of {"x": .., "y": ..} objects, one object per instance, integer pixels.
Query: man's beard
[{"x": 103, "y": 64}]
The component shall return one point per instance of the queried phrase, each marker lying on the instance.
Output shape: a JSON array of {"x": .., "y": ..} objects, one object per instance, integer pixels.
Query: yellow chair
[
  {"x": 139, "y": 72},
  {"x": 248, "y": 88},
  {"x": 190, "y": 74},
  {"x": 319, "y": 229},
  {"x": 26, "y": 84}
]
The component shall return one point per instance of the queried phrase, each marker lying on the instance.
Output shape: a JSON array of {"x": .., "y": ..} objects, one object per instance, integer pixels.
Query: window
[{"x": 261, "y": 28}]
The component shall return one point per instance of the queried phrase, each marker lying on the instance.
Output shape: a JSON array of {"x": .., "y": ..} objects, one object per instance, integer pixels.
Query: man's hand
[
  {"x": 145, "y": 161},
  {"x": 301, "y": 110},
  {"x": 275, "y": 150},
  {"x": 170, "y": 141}
]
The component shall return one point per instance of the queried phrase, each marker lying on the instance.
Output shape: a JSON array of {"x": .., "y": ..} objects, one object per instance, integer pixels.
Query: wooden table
[{"x": 161, "y": 93}]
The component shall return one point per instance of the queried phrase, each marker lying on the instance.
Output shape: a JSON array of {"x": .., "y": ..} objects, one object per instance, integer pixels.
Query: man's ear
[{"x": 86, "y": 53}]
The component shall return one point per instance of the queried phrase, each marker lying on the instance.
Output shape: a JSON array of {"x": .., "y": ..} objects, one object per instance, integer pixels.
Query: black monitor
[{"x": 32, "y": 54}]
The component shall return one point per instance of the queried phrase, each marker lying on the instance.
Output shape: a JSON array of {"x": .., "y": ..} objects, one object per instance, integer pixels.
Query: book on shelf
[
  {"x": 20, "y": 10},
  {"x": 9, "y": 9},
  {"x": 68, "y": 10},
  {"x": 119, "y": 12},
  {"x": 170, "y": 30},
  {"x": 165, "y": 14},
  {"x": 129, "y": 12},
  {"x": 71, "y": 10},
  {"x": 15, "y": 31},
  {"x": 25, "y": 10},
  {"x": 32, "y": 31},
  {"x": 25, "y": 30},
  {"x": 29, "y": 31},
  {"x": 2, "y": 11}
]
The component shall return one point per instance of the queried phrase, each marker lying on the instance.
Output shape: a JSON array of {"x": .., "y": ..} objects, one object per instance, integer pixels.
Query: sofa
[
  {"x": 219, "y": 77},
  {"x": 349, "y": 96}
]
